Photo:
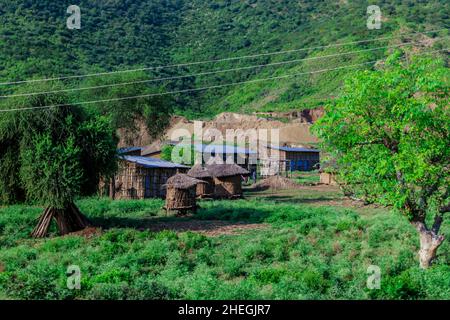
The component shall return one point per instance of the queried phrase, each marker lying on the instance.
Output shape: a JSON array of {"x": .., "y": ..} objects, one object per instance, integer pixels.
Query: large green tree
[
  {"x": 52, "y": 155},
  {"x": 149, "y": 108},
  {"x": 390, "y": 134}
]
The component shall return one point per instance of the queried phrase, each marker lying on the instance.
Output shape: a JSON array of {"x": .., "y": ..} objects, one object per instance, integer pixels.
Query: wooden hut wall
[
  {"x": 137, "y": 182},
  {"x": 205, "y": 189},
  {"x": 226, "y": 187}
]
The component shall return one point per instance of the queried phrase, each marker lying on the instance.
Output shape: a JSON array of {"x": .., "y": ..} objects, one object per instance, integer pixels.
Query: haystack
[
  {"x": 204, "y": 190},
  {"x": 181, "y": 193},
  {"x": 227, "y": 180}
]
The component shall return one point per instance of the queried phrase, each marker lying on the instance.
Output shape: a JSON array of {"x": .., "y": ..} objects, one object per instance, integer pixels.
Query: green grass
[
  {"x": 306, "y": 178},
  {"x": 305, "y": 252}
]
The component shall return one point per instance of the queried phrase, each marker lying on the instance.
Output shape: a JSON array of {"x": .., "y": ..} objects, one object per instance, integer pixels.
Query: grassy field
[{"x": 294, "y": 244}]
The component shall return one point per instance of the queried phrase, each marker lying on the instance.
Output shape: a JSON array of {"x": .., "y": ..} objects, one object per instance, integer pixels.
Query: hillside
[
  {"x": 124, "y": 34},
  {"x": 294, "y": 127}
]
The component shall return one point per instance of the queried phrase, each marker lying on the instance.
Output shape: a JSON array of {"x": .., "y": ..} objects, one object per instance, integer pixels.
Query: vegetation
[
  {"x": 389, "y": 132},
  {"x": 306, "y": 178},
  {"x": 150, "y": 109},
  {"x": 301, "y": 252},
  {"x": 52, "y": 155},
  {"x": 123, "y": 34}
]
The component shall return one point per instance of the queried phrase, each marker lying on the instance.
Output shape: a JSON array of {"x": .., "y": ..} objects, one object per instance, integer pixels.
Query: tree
[
  {"x": 166, "y": 152},
  {"x": 182, "y": 153},
  {"x": 59, "y": 153},
  {"x": 149, "y": 108},
  {"x": 389, "y": 132}
]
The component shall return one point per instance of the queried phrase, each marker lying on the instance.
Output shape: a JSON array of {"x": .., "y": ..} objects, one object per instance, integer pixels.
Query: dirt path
[
  {"x": 314, "y": 195},
  {"x": 211, "y": 228},
  {"x": 207, "y": 227}
]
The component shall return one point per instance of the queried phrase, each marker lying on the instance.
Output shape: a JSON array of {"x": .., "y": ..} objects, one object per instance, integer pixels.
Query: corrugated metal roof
[
  {"x": 293, "y": 149},
  {"x": 222, "y": 149},
  {"x": 128, "y": 149},
  {"x": 152, "y": 162}
]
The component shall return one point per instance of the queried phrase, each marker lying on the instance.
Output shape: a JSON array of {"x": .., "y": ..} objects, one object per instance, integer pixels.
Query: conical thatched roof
[
  {"x": 182, "y": 181},
  {"x": 199, "y": 172},
  {"x": 226, "y": 170}
]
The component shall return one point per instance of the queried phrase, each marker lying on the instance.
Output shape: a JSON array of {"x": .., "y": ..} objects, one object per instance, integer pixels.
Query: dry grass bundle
[
  {"x": 181, "y": 193},
  {"x": 199, "y": 172},
  {"x": 226, "y": 170},
  {"x": 182, "y": 181}
]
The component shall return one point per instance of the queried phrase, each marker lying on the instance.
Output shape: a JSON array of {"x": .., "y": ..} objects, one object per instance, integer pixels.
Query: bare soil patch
[
  {"x": 206, "y": 227},
  {"x": 87, "y": 232}
]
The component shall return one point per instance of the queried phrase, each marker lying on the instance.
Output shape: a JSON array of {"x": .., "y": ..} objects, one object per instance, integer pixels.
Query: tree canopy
[
  {"x": 51, "y": 155},
  {"x": 124, "y": 34},
  {"x": 390, "y": 134}
]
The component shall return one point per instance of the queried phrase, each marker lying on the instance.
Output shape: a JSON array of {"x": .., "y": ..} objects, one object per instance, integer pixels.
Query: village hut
[
  {"x": 294, "y": 158},
  {"x": 140, "y": 177},
  {"x": 204, "y": 190},
  {"x": 181, "y": 193},
  {"x": 227, "y": 180}
]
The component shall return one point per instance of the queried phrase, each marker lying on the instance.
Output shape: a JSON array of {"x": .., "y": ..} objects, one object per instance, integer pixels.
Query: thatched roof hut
[
  {"x": 204, "y": 190},
  {"x": 181, "y": 193},
  {"x": 227, "y": 179}
]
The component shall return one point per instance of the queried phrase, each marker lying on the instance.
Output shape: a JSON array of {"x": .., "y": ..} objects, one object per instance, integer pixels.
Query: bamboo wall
[
  {"x": 135, "y": 182},
  {"x": 205, "y": 189},
  {"x": 228, "y": 187}
]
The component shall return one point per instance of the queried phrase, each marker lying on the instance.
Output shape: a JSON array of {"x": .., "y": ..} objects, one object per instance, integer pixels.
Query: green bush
[{"x": 302, "y": 252}]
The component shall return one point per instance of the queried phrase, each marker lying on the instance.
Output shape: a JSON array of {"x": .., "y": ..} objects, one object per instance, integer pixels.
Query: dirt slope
[{"x": 294, "y": 127}]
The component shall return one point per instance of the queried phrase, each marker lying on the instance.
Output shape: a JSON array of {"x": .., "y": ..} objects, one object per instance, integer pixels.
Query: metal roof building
[
  {"x": 147, "y": 162},
  {"x": 296, "y": 158},
  {"x": 293, "y": 149},
  {"x": 142, "y": 177}
]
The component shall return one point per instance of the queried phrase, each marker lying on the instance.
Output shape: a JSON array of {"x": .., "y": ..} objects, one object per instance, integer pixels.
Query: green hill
[{"x": 124, "y": 34}]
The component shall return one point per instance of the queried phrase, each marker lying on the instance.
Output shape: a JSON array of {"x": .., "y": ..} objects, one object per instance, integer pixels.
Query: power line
[
  {"x": 201, "y": 89},
  {"x": 205, "y": 73},
  {"x": 186, "y": 90},
  {"x": 210, "y": 61}
]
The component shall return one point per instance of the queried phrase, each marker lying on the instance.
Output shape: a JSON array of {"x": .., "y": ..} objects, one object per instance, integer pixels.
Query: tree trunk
[
  {"x": 69, "y": 219},
  {"x": 429, "y": 243}
]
